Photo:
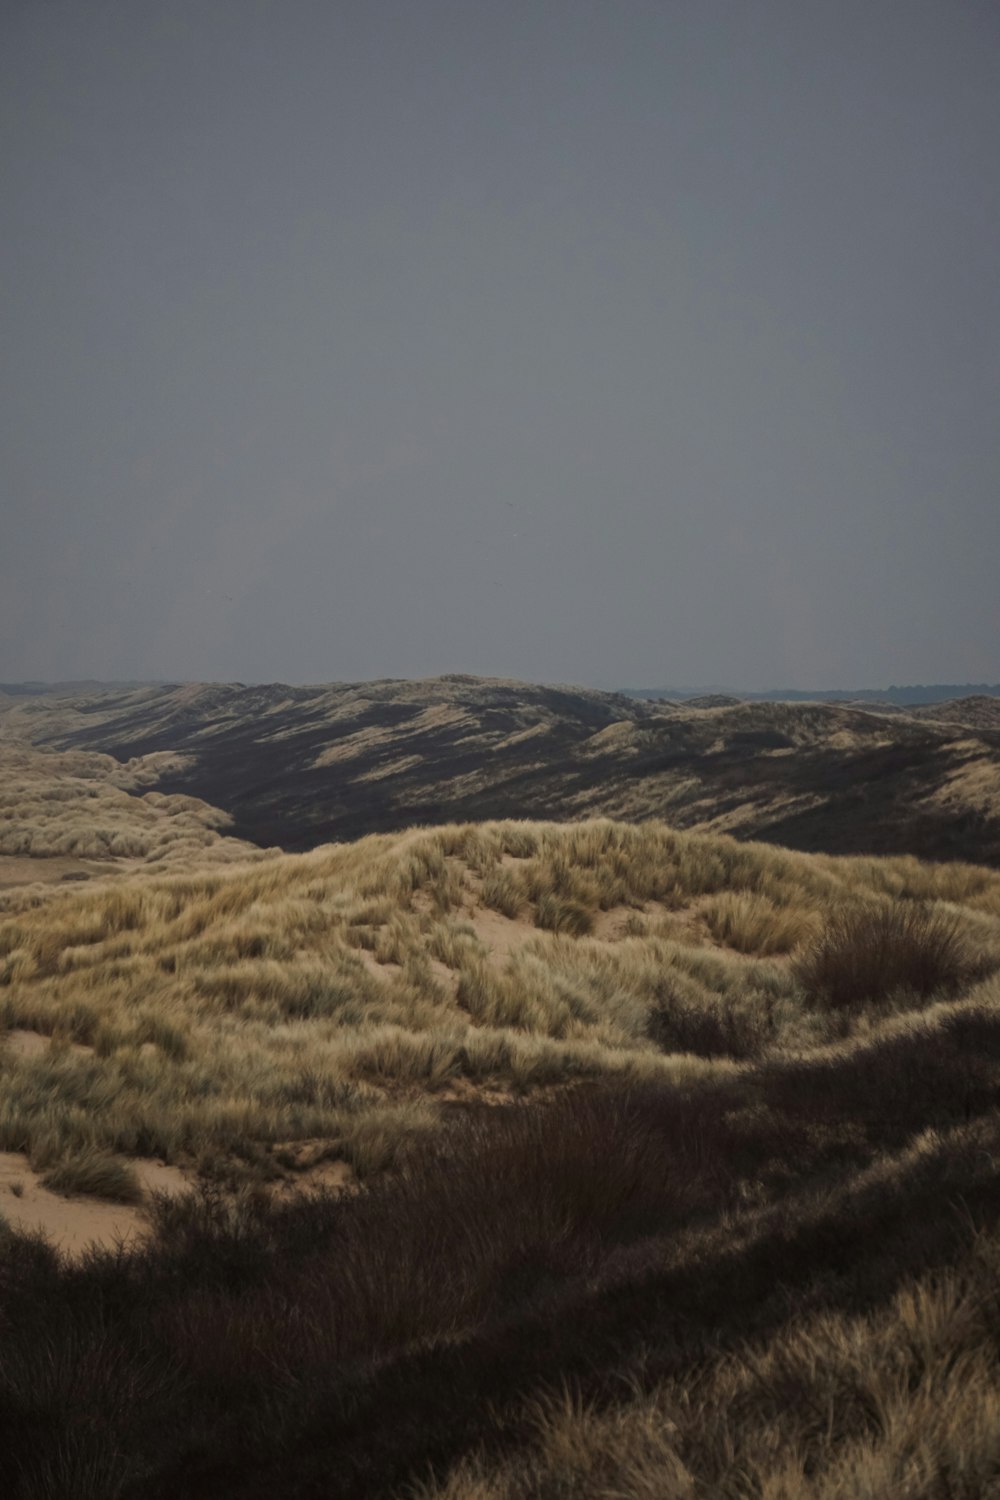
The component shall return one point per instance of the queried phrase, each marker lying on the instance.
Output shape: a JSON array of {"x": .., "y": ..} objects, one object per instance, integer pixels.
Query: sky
[{"x": 613, "y": 342}]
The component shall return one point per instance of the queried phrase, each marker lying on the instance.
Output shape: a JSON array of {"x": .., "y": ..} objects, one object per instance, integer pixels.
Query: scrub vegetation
[{"x": 672, "y": 1172}]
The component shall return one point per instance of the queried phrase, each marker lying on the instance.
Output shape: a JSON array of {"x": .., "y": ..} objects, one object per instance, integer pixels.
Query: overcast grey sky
[{"x": 608, "y": 341}]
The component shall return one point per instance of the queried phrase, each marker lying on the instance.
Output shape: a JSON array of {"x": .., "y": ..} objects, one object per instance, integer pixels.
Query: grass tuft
[
  {"x": 558, "y": 914},
  {"x": 753, "y": 924},
  {"x": 96, "y": 1174},
  {"x": 872, "y": 952}
]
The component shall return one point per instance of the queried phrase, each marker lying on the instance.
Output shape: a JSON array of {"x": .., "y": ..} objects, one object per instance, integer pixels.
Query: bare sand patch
[
  {"x": 499, "y": 934},
  {"x": 612, "y": 925},
  {"x": 649, "y": 918},
  {"x": 75, "y": 1224},
  {"x": 381, "y": 970},
  {"x": 24, "y": 1043},
  {"x": 444, "y": 975},
  {"x": 685, "y": 924},
  {"x": 158, "y": 1177}
]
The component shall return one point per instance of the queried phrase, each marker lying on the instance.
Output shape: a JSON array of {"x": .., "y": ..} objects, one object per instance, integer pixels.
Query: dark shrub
[
  {"x": 719, "y": 1029},
  {"x": 872, "y": 952}
]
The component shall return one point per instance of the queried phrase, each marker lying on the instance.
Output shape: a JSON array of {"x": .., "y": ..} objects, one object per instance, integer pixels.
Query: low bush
[
  {"x": 869, "y": 953},
  {"x": 724, "y": 1028}
]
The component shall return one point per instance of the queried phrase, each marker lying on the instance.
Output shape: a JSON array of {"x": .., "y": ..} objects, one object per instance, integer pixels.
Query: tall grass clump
[
  {"x": 753, "y": 924},
  {"x": 503, "y": 893},
  {"x": 724, "y": 1026},
  {"x": 559, "y": 914},
  {"x": 870, "y": 952},
  {"x": 97, "y": 1174}
]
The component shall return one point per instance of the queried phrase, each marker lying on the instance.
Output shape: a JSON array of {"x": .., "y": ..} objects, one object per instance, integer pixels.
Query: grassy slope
[
  {"x": 91, "y": 807},
  {"x": 649, "y": 1206},
  {"x": 298, "y": 996}
]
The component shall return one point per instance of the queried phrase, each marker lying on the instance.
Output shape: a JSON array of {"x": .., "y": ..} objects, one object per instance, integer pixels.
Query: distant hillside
[
  {"x": 901, "y": 697},
  {"x": 298, "y": 766},
  {"x": 68, "y": 815},
  {"x": 61, "y": 689}
]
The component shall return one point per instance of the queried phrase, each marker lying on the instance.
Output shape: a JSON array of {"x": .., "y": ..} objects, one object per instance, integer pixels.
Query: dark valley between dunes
[{"x": 299, "y": 766}]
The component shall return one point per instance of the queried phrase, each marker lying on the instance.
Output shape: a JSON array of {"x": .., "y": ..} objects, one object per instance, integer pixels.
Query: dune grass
[
  {"x": 96, "y": 1173},
  {"x": 208, "y": 1017},
  {"x": 675, "y": 1158},
  {"x": 870, "y": 952},
  {"x": 94, "y": 807},
  {"x": 725, "y": 1287}
]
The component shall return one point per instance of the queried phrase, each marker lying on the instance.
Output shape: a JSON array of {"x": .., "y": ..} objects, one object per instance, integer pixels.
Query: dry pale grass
[
  {"x": 93, "y": 807},
  {"x": 751, "y": 923},
  {"x": 339, "y": 994}
]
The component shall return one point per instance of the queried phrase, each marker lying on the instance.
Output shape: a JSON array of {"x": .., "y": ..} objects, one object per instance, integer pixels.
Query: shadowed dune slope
[{"x": 299, "y": 766}]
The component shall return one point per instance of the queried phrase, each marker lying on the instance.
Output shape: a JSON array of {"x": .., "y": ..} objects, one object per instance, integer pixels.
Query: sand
[
  {"x": 76, "y": 1223},
  {"x": 24, "y": 1043}
]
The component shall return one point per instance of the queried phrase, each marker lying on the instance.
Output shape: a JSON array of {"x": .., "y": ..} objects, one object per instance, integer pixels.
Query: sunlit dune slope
[
  {"x": 342, "y": 994},
  {"x": 75, "y": 814}
]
